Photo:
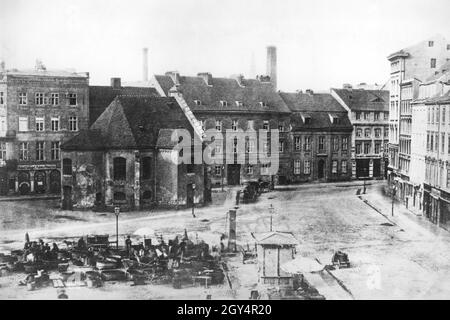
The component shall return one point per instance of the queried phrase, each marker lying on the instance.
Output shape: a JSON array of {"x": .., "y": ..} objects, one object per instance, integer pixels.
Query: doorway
[
  {"x": 362, "y": 168},
  {"x": 55, "y": 181},
  {"x": 376, "y": 168},
  {"x": 321, "y": 169},
  {"x": 3, "y": 183},
  {"x": 234, "y": 174},
  {"x": 24, "y": 182},
  {"x": 39, "y": 181}
]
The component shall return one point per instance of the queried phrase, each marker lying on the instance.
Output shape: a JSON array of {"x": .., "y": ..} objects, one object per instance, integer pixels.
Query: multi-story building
[
  {"x": 320, "y": 137},
  {"x": 368, "y": 111},
  {"x": 233, "y": 104},
  {"x": 409, "y": 67},
  {"x": 431, "y": 145},
  {"x": 39, "y": 110}
]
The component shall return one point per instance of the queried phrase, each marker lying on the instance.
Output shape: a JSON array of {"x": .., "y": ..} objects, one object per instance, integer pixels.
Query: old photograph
[{"x": 224, "y": 150}]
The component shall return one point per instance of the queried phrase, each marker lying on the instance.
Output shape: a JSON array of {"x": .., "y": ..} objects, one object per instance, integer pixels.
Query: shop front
[{"x": 444, "y": 217}]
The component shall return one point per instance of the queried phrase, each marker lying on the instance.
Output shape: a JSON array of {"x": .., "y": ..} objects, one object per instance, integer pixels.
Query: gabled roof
[
  {"x": 318, "y": 107},
  {"x": 364, "y": 100},
  {"x": 438, "y": 99},
  {"x": 101, "y": 96},
  {"x": 250, "y": 93},
  {"x": 133, "y": 123},
  {"x": 90, "y": 140},
  {"x": 275, "y": 238},
  {"x": 302, "y": 102}
]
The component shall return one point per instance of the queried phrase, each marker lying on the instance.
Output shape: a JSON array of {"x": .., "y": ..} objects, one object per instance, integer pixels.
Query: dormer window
[
  {"x": 306, "y": 119},
  {"x": 334, "y": 119},
  {"x": 239, "y": 103},
  {"x": 262, "y": 104},
  {"x": 223, "y": 103},
  {"x": 197, "y": 102},
  {"x": 430, "y": 43}
]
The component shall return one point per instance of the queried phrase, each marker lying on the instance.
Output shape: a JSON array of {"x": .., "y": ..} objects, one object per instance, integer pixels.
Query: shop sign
[
  {"x": 435, "y": 193},
  {"x": 36, "y": 166}
]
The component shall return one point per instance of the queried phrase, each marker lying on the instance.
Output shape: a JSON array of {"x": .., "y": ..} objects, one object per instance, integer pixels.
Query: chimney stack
[
  {"x": 207, "y": 77},
  {"x": 175, "y": 76},
  {"x": 145, "y": 64},
  {"x": 115, "y": 83},
  {"x": 272, "y": 65}
]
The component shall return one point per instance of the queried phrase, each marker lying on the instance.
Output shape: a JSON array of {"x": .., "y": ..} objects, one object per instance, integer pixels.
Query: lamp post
[
  {"x": 394, "y": 191},
  {"x": 117, "y": 212},
  {"x": 271, "y": 210},
  {"x": 222, "y": 171},
  {"x": 193, "y": 199}
]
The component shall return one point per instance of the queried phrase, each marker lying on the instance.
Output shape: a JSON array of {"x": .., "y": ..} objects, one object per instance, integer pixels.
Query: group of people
[{"x": 34, "y": 251}]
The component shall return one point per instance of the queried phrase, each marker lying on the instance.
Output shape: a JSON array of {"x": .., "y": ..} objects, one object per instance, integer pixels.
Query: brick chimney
[
  {"x": 116, "y": 83},
  {"x": 207, "y": 77},
  {"x": 272, "y": 65},
  {"x": 145, "y": 64}
]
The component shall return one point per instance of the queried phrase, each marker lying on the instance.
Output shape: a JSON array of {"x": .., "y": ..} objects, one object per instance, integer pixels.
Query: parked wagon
[{"x": 340, "y": 260}]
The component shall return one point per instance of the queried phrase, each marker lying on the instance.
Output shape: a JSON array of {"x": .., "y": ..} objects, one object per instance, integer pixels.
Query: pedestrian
[{"x": 128, "y": 245}]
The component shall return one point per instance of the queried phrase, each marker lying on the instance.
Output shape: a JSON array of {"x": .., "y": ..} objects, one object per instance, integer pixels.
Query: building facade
[
  {"x": 39, "y": 110},
  {"x": 320, "y": 138},
  {"x": 129, "y": 158},
  {"x": 233, "y": 105},
  {"x": 368, "y": 111},
  {"x": 409, "y": 67}
]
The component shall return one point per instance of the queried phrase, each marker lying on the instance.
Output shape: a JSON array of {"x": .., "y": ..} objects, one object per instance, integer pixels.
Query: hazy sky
[{"x": 320, "y": 43}]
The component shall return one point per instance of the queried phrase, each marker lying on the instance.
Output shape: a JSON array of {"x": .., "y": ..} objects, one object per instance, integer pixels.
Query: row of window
[
  {"x": 366, "y": 148},
  {"x": 434, "y": 144},
  {"x": 437, "y": 175},
  {"x": 368, "y": 133},
  {"x": 120, "y": 168},
  {"x": 307, "y": 143},
  {"x": 376, "y": 115},
  {"x": 41, "y": 99},
  {"x": 24, "y": 154},
  {"x": 234, "y": 125},
  {"x": 55, "y": 124},
  {"x": 437, "y": 114},
  {"x": 224, "y": 103}
]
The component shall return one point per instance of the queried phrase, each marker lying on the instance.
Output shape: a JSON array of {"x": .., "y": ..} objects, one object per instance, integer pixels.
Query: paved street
[{"x": 400, "y": 257}]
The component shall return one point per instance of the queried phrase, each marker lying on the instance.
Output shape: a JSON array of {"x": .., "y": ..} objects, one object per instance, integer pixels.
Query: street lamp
[
  {"x": 117, "y": 212},
  {"x": 222, "y": 171},
  {"x": 193, "y": 199},
  {"x": 271, "y": 211},
  {"x": 394, "y": 191}
]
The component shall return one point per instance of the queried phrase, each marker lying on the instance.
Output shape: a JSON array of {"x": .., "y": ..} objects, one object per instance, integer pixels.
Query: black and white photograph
[{"x": 249, "y": 150}]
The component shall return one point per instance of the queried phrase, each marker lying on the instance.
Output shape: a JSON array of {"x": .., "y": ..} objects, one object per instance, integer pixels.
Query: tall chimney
[
  {"x": 145, "y": 64},
  {"x": 272, "y": 65}
]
